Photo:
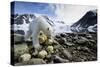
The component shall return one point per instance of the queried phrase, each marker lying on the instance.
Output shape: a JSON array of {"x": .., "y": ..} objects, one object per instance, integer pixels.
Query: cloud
[{"x": 70, "y": 13}]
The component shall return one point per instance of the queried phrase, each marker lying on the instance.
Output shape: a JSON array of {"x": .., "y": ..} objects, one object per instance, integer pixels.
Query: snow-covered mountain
[
  {"x": 88, "y": 23},
  {"x": 20, "y": 23}
]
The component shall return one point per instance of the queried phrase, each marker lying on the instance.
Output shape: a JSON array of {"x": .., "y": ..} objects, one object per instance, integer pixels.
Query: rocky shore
[{"x": 66, "y": 47}]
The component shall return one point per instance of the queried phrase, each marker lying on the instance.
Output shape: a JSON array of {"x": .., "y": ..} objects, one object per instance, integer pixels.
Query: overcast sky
[{"x": 63, "y": 12}]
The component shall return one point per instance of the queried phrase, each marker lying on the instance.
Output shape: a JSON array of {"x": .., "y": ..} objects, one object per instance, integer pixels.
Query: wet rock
[{"x": 58, "y": 59}]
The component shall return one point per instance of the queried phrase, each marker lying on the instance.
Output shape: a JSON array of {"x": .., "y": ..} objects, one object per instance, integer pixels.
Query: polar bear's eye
[{"x": 47, "y": 28}]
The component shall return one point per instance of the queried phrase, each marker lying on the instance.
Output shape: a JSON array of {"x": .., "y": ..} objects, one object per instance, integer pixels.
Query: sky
[{"x": 60, "y": 12}]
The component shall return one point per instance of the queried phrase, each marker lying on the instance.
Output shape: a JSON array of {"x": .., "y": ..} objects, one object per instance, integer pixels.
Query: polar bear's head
[
  {"x": 45, "y": 26},
  {"x": 49, "y": 32}
]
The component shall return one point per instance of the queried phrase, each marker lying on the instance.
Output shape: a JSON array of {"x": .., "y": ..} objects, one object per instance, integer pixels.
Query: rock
[
  {"x": 42, "y": 38},
  {"x": 24, "y": 58},
  {"x": 69, "y": 44},
  {"x": 20, "y": 49},
  {"x": 18, "y": 64},
  {"x": 82, "y": 40},
  {"x": 50, "y": 49},
  {"x": 78, "y": 48},
  {"x": 76, "y": 37},
  {"x": 88, "y": 36},
  {"x": 28, "y": 42},
  {"x": 66, "y": 54},
  {"x": 55, "y": 42},
  {"x": 42, "y": 54},
  {"x": 63, "y": 35},
  {"x": 58, "y": 36},
  {"x": 36, "y": 61},
  {"x": 58, "y": 59},
  {"x": 85, "y": 49},
  {"x": 49, "y": 42},
  {"x": 18, "y": 38},
  {"x": 34, "y": 52},
  {"x": 62, "y": 40},
  {"x": 93, "y": 41},
  {"x": 69, "y": 39}
]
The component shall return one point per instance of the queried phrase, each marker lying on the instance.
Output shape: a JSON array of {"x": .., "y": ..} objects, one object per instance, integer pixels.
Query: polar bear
[{"x": 37, "y": 25}]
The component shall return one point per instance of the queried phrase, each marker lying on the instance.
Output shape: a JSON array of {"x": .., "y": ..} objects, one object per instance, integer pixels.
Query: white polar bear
[{"x": 39, "y": 24}]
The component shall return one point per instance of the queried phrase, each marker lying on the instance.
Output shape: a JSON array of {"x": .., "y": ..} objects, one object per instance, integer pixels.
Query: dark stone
[
  {"x": 66, "y": 54},
  {"x": 58, "y": 59},
  {"x": 62, "y": 40},
  {"x": 63, "y": 35},
  {"x": 58, "y": 36},
  {"x": 82, "y": 40},
  {"x": 20, "y": 32},
  {"x": 69, "y": 44},
  {"x": 88, "y": 36}
]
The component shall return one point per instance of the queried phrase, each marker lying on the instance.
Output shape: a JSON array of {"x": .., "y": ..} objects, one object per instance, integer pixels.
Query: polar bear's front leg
[{"x": 35, "y": 40}]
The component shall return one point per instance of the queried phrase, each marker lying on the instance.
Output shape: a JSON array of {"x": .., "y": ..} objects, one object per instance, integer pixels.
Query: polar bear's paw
[
  {"x": 36, "y": 49},
  {"x": 36, "y": 46}
]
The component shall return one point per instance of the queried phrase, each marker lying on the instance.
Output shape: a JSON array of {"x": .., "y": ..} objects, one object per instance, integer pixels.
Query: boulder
[
  {"x": 62, "y": 40},
  {"x": 18, "y": 38},
  {"x": 63, "y": 35},
  {"x": 82, "y": 40},
  {"x": 57, "y": 59},
  {"x": 24, "y": 58},
  {"x": 20, "y": 49},
  {"x": 66, "y": 54},
  {"x": 42, "y": 54}
]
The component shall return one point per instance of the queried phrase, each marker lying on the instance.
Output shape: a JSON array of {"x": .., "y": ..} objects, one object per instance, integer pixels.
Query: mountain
[
  {"x": 86, "y": 23},
  {"x": 19, "y": 19},
  {"x": 20, "y": 23}
]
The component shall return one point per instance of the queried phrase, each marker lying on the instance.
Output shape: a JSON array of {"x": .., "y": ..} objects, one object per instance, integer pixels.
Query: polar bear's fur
[{"x": 39, "y": 24}]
